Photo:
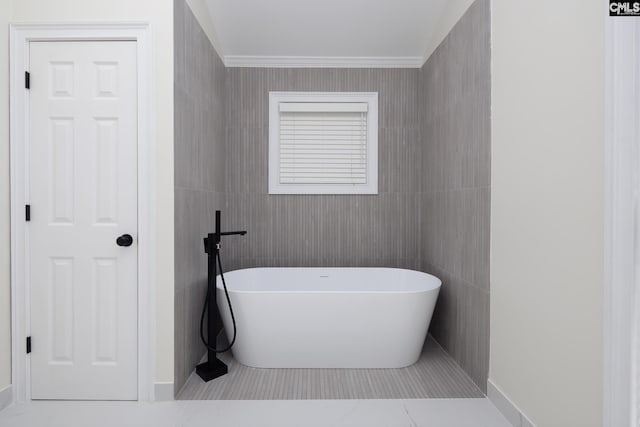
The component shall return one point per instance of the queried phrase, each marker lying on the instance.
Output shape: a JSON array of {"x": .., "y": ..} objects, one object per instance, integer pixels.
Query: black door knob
[{"x": 124, "y": 240}]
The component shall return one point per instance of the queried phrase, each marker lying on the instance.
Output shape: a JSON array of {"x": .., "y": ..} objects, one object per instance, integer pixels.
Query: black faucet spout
[
  {"x": 212, "y": 241},
  {"x": 231, "y": 233}
]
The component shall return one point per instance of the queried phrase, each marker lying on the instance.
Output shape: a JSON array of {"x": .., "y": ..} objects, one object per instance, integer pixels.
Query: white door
[{"x": 83, "y": 195}]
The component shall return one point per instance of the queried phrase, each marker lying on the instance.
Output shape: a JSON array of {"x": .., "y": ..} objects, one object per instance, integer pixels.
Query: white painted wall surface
[
  {"x": 160, "y": 16},
  {"x": 547, "y": 208},
  {"x": 5, "y": 257}
]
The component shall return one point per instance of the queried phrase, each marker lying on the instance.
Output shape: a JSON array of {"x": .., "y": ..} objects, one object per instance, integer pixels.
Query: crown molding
[{"x": 323, "y": 62}]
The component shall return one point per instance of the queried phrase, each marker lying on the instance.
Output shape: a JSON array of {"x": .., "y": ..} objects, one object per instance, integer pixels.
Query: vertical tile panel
[
  {"x": 454, "y": 108},
  {"x": 200, "y": 156},
  {"x": 314, "y": 230}
]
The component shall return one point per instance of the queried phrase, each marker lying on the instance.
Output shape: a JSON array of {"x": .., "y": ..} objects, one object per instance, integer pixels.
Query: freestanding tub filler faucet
[{"x": 213, "y": 367}]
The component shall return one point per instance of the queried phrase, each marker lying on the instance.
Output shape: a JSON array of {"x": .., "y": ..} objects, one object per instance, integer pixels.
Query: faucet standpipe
[{"x": 213, "y": 367}]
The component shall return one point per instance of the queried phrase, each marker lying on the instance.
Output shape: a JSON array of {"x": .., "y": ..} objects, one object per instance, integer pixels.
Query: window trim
[{"x": 371, "y": 98}]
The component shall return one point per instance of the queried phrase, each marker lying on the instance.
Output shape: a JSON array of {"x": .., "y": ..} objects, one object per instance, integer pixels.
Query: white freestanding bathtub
[{"x": 328, "y": 317}]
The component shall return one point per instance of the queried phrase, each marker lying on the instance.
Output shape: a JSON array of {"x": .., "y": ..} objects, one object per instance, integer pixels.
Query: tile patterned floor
[{"x": 435, "y": 375}]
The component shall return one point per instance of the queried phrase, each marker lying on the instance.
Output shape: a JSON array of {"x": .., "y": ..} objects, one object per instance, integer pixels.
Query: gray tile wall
[
  {"x": 455, "y": 109},
  {"x": 300, "y": 230},
  {"x": 432, "y": 210},
  {"x": 199, "y": 156}
]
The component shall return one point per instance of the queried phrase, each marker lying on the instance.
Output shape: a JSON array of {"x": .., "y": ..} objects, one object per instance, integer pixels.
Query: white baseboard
[
  {"x": 163, "y": 392},
  {"x": 511, "y": 412},
  {"x": 6, "y": 397}
]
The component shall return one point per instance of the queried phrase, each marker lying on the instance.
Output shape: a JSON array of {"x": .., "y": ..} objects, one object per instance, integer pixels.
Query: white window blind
[{"x": 323, "y": 143}]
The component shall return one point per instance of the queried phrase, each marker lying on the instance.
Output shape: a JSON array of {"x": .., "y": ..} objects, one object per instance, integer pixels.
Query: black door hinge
[
  {"x": 27, "y": 80},
  {"x": 28, "y": 345},
  {"x": 27, "y": 212}
]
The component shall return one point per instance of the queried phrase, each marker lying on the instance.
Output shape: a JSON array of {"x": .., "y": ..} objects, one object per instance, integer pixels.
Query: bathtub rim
[{"x": 435, "y": 287}]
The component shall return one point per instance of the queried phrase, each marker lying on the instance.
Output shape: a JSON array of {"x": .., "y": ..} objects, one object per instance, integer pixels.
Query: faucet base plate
[{"x": 211, "y": 370}]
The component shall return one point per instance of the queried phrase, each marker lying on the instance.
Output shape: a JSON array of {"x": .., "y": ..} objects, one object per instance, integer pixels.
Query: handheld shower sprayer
[{"x": 213, "y": 367}]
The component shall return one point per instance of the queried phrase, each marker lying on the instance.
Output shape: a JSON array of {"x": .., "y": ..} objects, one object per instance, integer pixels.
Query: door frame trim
[
  {"x": 621, "y": 306},
  {"x": 21, "y": 34}
]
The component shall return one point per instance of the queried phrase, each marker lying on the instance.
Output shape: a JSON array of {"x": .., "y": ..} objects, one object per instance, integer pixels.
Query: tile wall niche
[{"x": 432, "y": 210}]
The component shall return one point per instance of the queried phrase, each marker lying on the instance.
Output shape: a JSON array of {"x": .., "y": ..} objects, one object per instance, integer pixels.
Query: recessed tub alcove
[{"x": 431, "y": 214}]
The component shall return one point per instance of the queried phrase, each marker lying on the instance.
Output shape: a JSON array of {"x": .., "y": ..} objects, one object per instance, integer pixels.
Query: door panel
[{"x": 83, "y": 194}]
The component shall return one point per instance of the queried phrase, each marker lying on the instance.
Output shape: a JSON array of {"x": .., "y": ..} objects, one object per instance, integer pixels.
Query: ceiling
[{"x": 383, "y": 30}]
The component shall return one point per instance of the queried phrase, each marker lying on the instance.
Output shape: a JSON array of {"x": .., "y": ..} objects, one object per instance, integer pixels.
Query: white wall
[
  {"x": 160, "y": 15},
  {"x": 547, "y": 208},
  {"x": 5, "y": 277}
]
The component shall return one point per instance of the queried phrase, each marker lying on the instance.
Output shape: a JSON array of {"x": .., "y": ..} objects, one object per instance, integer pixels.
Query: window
[{"x": 323, "y": 143}]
